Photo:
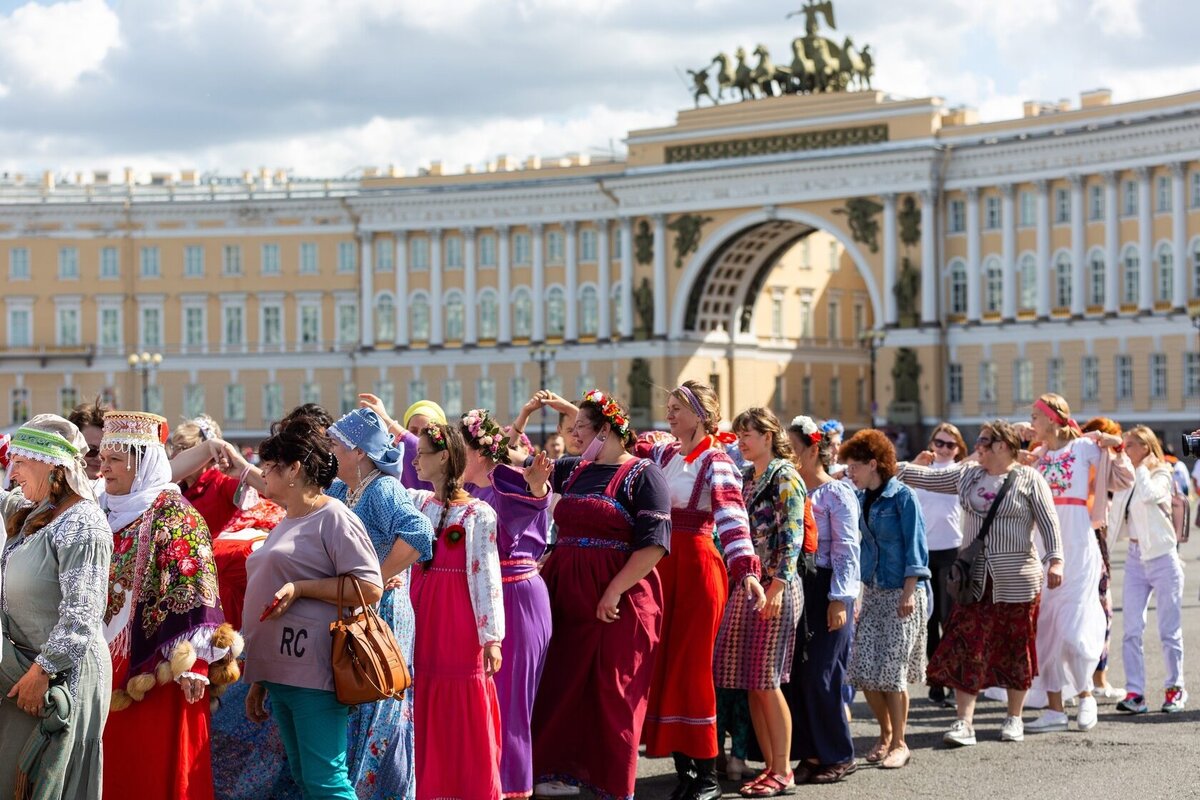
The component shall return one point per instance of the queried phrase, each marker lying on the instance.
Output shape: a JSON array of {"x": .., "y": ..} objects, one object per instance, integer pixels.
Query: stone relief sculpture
[
  {"x": 687, "y": 230},
  {"x": 906, "y": 374},
  {"x": 861, "y": 213},
  {"x": 906, "y": 291},
  {"x": 643, "y": 243},
  {"x": 643, "y": 300}
]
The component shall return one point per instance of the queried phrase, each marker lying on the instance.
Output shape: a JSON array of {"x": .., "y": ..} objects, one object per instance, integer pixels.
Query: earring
[{"x": 292, "y": 485}]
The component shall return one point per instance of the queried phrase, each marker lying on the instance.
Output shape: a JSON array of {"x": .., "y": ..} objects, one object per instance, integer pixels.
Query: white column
[
  {"x": 401, "y": 289},
  {"x": 1179, "y": 216},
  {"x": 504, "y": 279},
  {"x": 626, "y": 278},
  {"x": 1112, "y": 255},
  {"x": 661, "y": 290},
  {"x": 929, "y": 269},
  {"x": 890, "y": 316},
  {"x": 1008, "y": 252},
  {"x": 1148, "y": 268},
  {"x": 470, "y": 330},
  {"x": 974, "y": 293},
  {"x": 539, "y": 282},
  {"x": 1043, "y": 249},
  {"x": 1078, "y": 256},
  {"x": 603, "y": 281},
  {"x": 436, "y": 336},
  {"x": 571, "y": 331},
  {"x": 366, "y": 285}
]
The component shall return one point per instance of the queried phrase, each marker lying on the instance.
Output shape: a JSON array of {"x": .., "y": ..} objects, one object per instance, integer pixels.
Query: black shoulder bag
[{"x": 958, "y": 578}]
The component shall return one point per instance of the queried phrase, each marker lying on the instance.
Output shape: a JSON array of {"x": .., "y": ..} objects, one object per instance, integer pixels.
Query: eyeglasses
[
  {"x": 267, "y": 467},
  {"x": 92, "y": 452},
  {"x": 427, "y": 453},
  {"x": 985, "y": 441},
  {"x": 942, "y": 444},
  {"x": 854, "y": 466}
]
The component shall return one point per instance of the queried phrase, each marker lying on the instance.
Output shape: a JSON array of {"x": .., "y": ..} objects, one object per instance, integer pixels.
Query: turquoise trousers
[{"x": 312, "y": 725}]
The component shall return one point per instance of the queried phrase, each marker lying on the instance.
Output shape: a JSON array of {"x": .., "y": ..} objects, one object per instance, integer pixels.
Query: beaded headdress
[{"x": 125, "y": 430}]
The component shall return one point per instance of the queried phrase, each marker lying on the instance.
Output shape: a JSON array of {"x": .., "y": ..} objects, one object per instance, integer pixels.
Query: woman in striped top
[{"x": 992, "y": 642}]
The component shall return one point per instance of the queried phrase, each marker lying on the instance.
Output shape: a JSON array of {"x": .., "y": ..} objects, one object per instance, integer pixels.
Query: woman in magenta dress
[
  {"x": 460, "y": 624},
  {"x": 521, "y": 500},
  {"x": 614, "y": 524}
]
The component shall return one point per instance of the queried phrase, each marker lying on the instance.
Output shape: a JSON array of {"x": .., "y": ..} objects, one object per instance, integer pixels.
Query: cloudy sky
[{"x": 327, "y": 86}]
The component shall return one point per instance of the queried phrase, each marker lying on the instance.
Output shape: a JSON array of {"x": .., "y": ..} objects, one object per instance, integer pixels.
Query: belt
[
  {"x": 527, "y": 567},
  {"x": 585, "y": 541},
  {"x": 1070, "y": 501}
]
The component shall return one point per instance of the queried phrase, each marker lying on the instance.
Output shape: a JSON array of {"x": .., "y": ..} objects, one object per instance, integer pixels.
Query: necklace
[{"x": 355, "y": 494}]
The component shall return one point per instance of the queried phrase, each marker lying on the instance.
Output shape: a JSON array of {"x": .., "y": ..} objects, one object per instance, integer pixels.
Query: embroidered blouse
[{"x": 774, "y": 502}]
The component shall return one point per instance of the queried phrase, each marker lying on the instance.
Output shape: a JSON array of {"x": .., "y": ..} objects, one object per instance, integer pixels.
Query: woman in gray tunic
[{"x": 55, "y": 670}]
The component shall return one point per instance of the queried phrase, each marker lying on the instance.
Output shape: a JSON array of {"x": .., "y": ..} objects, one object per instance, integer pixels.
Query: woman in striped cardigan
[{"x": 992, "y": 641}]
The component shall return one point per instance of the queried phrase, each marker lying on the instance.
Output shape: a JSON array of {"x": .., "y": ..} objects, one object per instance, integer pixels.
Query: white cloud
[
  {"x": 1117, "y": 17},
  {"x": 53, "y": 46}
]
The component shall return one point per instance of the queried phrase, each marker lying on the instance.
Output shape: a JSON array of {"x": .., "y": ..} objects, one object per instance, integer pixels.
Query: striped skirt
[{"x": 753, "y": 652}]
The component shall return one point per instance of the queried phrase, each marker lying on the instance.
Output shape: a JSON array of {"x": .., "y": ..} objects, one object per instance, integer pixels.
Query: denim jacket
[{"x": 893, "y": 538}]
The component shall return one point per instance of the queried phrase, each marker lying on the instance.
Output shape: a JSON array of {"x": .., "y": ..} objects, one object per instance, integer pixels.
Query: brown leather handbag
[{"x": 367, "y": 662}]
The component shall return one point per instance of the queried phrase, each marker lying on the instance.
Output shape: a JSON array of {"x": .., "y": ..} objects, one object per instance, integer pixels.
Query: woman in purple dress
[{"x": 521, "y": 500}]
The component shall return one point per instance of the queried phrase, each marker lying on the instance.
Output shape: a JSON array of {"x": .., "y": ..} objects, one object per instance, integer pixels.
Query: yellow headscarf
[{"x": 426, "y": 408}]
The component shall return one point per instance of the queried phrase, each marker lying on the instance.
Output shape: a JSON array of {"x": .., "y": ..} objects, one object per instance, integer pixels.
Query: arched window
[
  {"x": 1028, "y": 277},
  {"x": 556, "y": 312},
  {"x": 1096, "y": 278},
  {"x": 418, "y": 312},
  {"x": 993, "y": 286},
  {"x": 522, "y": 314},
  {"x": 589, "y": 311},
  {"x": 957, "y": 300},
  {"x": 1062, "y": 280},
  {"x": 1131, "y": 281},
  {"x": 615, "y": 309},
  {"x": 1165, "y": 258},
  {"x": 454, "y": 316},
  {"x": 489, "y": 316},
  {"x": 385, "y": 318}
]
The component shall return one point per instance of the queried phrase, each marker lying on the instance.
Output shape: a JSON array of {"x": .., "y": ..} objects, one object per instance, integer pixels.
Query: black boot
[
  {"x": 705, "y": 786},
  {"x": 685, "y": 768}
]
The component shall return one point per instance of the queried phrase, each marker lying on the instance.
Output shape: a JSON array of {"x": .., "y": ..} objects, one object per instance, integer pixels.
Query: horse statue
[
  {"x": 766, "y": 75},
  {"x": 743, "y": 79},
  {"x": 851, "y": 64},
  {"x": 725, "y": 76},
  {"x": 804, "y": 70},
  {"x": 826, "y": 63},
  {"x": 700, "y": 86}
]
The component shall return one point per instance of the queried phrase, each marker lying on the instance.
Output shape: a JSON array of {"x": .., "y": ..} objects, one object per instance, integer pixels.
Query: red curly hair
[{"x": 870, "y": 444}]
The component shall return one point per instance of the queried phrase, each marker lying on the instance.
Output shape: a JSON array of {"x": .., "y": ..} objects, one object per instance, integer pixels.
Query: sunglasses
[
  {"x": 93, "y": 452},
  {"x": 942, "y": 444}
]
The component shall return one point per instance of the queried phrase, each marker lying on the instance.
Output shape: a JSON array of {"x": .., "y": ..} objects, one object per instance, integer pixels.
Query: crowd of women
[{"x": 166, "y": 601}]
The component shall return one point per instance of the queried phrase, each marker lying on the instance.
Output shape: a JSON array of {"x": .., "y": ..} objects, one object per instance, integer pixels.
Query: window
[
  {"x": 347, "y": 257},
  {"x": 419, "y": 252},
  {"x": 554, "y": 247},
  {"x": 1022, "y": 381},
  {"x": 386, "y": 392},
  {"x": 151, "y": 327},
  {"x": 18, "y": 263},
  {"x": 231, "y": 259},
  {"x": 860, "y": 394},
  {"x": 20, "y": 327},
  {"x": 1062, "y": 280},
  {"x": 1095, "y": 202},
  {"x": 418, "y": 313},
  {"x": 806, "y": 318},
  {"x": 1195, "y": 180},
  {"x": 193, "y": 400},
  {"x": 835, "y": 395},
  {"x": 834, "y": 254},
  {"x": 272, "y": 402},
  {"x": 1164, "y": 194},
  {"x": 19, "y": 405},
  {"x": 485, "y": 393},
  {"x": 518, "y": 394},
  {"x": 149, "y": 263},
  {"x": 587, "y": 246},
  {"x": 1166, "y": 272},
  {"x": 272, "y": 326},
  {"x": 347, "y": 322},
  {"x": 1062, "y": 206},
  {"x": 1191, "y": 374},
  {"x": 110, "y": 327},
  {"x": 777, "y": 316},
  {"x": 418, "y": 390},
  {"x": 1091, "y": 379},
  {"x": 1130, "y": 193},
  {"x": 522, "y": 314},
  {"x": 455, "y": 317},
  {"x": 235, "y": 402},
  {"x": 193, "y": 326},
  {"x": 521, "y": 249},
  {"x": 1096, "y": 275},
  {"x": 310, "y": 392},
  {"x": 154, "y": 398},
  {"x": 954, "y": 383},
  {"x": 860, "y": 319},
  {"x": 1158, "y": 376},
  {"x": 556, "y": 312},
  {"x": 1028, "y": 209},
  {"x": 308, "y": 258},
  {"x": 193, "y": 261},
  {"x": 310, "y": 324},
  {"x": 806, "y": 397},
  {"x": 1028, "y": 277},
  {"x": 452, "y": 400},
  {"x": 987, "y": 382},
  {"x": 957, "y": 300},
  {"x": 110, "y": 265},
  {"x": 806, "y": 253},
  {"x": 1131, "y": 282},
  {"x": 489, "y": 316},
  {"x": 454, "y": 252},
  {"x": 270, "y": 263},
  {"x": 348, "y": 400},
  {"x": 1054, "y": 376},
  {"x": 385, "y": 259},
  {"x": 993, "y": 290},
  {"x": 68, "y": 263},
  {"x": 67, "y": 326},
  {"x": 589, "y": 312},
  {"x": 991, "y": 212},
  {"x": 233, "y": 325},
  {"x": 1196, "y": 268},
  {"x": 385, "y": 318},
  {"x": 834, "y": 320},
  {"x": 1124, "y": 377},
  {"x": 957, "y": 216}
]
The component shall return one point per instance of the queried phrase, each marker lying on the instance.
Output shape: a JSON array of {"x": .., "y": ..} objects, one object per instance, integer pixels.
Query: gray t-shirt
[{"x": 295, "y": 649}]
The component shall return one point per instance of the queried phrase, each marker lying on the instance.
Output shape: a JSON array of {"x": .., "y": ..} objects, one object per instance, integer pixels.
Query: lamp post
[
  {"x": 871, "y": 339},
  {"x": 542, "y": 356},
  {"x": 145, "y": 362}
]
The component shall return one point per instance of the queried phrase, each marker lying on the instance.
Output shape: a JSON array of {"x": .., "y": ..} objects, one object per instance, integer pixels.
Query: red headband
[{"x": 1055, "y": 417}]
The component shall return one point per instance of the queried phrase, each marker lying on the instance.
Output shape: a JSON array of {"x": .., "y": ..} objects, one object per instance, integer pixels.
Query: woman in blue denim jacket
[{"x": 889, "y": 642}]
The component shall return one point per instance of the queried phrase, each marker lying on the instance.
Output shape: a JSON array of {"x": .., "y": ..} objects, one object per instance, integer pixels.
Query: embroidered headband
[
  {"x": 693, "y": 401},
  {"x": 1057, "y": 418},
  {"x": 45, "y": 446},
  {"x": 805, "y": 426},
  {"x": 485, "y": 433},
  {"x": 615, "y": 415}
]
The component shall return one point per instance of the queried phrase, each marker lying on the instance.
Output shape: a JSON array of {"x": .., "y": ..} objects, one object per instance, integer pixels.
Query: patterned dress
[{"x": 380, "y": 756}]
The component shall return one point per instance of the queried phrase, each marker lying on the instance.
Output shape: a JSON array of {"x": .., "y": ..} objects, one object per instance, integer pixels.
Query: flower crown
[
  {"x": 485, "y": 433},
  {"x": 612, "y": 412},
  {"x": 806, "y": 427},
  {"x": 436, "y": 435}
]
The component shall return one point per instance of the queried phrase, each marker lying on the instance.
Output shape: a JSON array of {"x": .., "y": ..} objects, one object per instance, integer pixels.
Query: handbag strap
[{"x": 991, "y": 513}]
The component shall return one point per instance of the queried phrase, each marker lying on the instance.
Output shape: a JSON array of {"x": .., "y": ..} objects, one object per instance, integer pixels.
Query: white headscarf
[{"x": 152, "y": 478}]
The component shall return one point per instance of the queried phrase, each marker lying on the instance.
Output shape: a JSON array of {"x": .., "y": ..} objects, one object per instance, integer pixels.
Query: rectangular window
[
  {"x": 231, "y": 259},
  {"x": 1091, "y": 379},
  {"x": 385, "y": 256},
  {"x": 270, "y": 260},
  {"x": 777, "y": 317},
  {"x": 987, "y": 382},
  {"x": 835, "y": 395},
  {"x": 349, "y": 399},
  {"x": 834, "y": 328},
  {"x": 452, "y": 397},
  {"x": 310, "y": 392},
  {"x": 806, "y": 253},
  {"x": 68, "y": 398},
  {"x": 310, "y": 325},
  {"x": 19, "y": 405},
  {"x": 272, "y": 401},
  {"x": 518, "y": 394},
  {"x": 272, "y": 325},
  {"x": 386, "y": 392},
  {"x": 154, "y": 398},
  {"x": 1195, "y": 182},
  {"x": 1062, "y": 206},
  {"x": 587, "y": 246},
  {"x": 18, "y": 264},
  {"x": 454, "y": 252},
  {"x": 485, "y": 392},
  {"x": 1023, "y": 381},
  {"x": 347, "y": 257},
  {"x": 1124, "y": 377},
  {"x": 991, "y": 212},
  {"x": 148, "y": 259},
  {"x": 20, "y": 327},
  {"x": 68, "y": 263},
  {"x": 1095, "y": 202},
  {"x": 419, "y": 253},
  {"x": 834, "y": 253},
  {"x": 418, "y": 389},
  {"x": 487, "y": 253},
  {"x": 1164, "y": 194},
  {"x": 860, "y": 393},
  {"x": 1054, "y": 376},
  {"x": 233, "y": 325},
  {"x": 193, "y": 261},
  {"x": 110, "y": 327},
  {"x": 860, "y": 319},
  {"x": 152, "y": 327},
  {"x": 806, "y": 318},
  {"x": 1130, "y": 205},
  {"x": 110, "y": 264},
  {"x": 193, "y": 400},
  {"x": 584, "y": 383},
  {"x": 308, "y": 258},
  {"x": 1191, "y": 374},
  {"x": 806, "y": 395},
  {"x": 1028, "y": 209},
  {"x": 67, "y": 327},
  {"x": 1158, "y": 376},
  {"x": 956, "y": 220},
  {"x": 347, "y": 323},
  {"x": 235, "y": 403},
  {"x": 554, "y": 247},
  {"x": 521, "y": 255},
  {"x": 194, "y": 334}
]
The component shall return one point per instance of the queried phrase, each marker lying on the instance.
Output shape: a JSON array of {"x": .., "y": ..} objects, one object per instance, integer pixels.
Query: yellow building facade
[{"x": 757, "y": 246}]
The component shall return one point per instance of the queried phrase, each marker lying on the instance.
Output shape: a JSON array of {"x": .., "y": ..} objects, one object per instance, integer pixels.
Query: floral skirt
[
  {"x": 988, "y": 644},
  {"x": 889, "y": 650}
]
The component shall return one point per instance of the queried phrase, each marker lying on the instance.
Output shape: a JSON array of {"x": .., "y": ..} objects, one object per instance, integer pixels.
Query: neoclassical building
[{"x": 849, "y": 255}]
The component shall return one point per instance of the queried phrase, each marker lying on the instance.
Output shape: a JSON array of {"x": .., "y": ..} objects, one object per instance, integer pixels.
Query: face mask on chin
[{"x": 593, "y": 450}]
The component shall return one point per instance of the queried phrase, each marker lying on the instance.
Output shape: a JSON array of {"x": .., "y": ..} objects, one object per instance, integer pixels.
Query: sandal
[
  {"x": 769, "y": 784},
  {"x": 878, "y": 752},
  {"x": 896, "y": 758}
]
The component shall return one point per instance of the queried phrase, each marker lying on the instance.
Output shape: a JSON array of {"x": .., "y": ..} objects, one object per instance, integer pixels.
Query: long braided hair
[{"x": 447, "y": 438}]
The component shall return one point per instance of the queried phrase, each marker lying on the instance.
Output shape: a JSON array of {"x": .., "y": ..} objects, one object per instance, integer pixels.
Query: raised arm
[{"x": 942, "y": 481}]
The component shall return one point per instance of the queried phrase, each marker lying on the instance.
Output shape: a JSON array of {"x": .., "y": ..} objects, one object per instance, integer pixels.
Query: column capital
[
  {"x": 537, "y": 228},
  {"x": 569, "y": 226},
  {"x": 602, "y": 223},
  {"x": 503, "y": 229},
  {"x": 771, "y": 211},
  {"x": 364, "y": 237},
  {"x": 972, "y": 193},
  {"x": 468, "y": 231},
  {"x": 659, "y": 219},
  {"x": 400, "y": 235},
  {"x": 1110, "y": 177},
  {"x": 1042, "y": 184},
  {"x": 1178, "y": 168},
  {"x": 1143, "y": 173},
  {"x": 1007, "y": 191},
  {"x": 889, "y": 197},
  {"x": 928, "y": 196},
  {"x": 1076, "y": 180},
  {"x": 434, "y": 233}
]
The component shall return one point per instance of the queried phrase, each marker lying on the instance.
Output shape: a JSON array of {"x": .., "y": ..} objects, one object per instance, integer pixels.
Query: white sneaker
[
  {"x": 1013, "y": 730},
  {"x": 555, "y": 789},
  {"x": 1048, "y": 721},
  {"x": 960, "y": 734},
  {"x": 1069, "y": 702},
  {"x": 1087, "y": 717}
]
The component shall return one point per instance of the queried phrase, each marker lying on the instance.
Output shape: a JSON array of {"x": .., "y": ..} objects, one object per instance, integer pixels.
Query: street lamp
[
  {"x": 871, "y": 340},
  {"x": 145, "y": 362},
  {"x": 542, "y": 356}
]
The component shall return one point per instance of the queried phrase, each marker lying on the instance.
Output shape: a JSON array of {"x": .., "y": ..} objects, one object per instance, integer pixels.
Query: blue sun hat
[{"x": 364, "y": 430}]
